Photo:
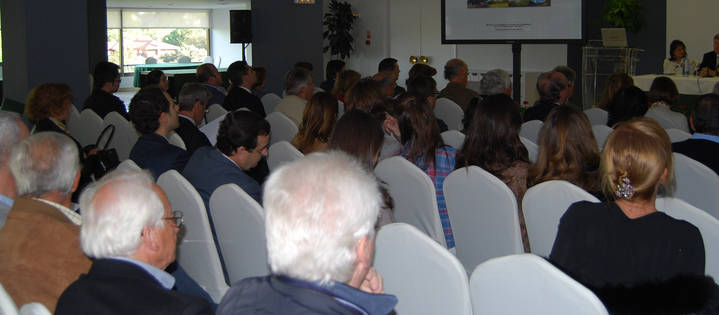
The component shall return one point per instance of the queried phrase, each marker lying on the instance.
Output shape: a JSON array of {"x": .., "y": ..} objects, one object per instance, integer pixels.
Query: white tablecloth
[{"x": 690, "y": 85}]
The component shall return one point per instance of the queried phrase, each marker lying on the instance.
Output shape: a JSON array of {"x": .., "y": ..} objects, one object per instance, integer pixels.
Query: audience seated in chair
[
  {"x": 663, "y": 94},
  {"x": 299, "y": 88},
  {"x": 332, "y": 72},
  {"x": 192, "y": 102},
  {"x": 457, "y": 73},
  {"x": 615, "y": 82},
  {"x": 157, "y": 78},
  {"x": 426, "y": 87},
  {"x": 318, "y": 122},
  {"x": 259, "y": 88},
  {"x": 320, "y": 213},
  {"x": 704, "y": 144},
  {"x": 131, "y": 232},
  {"x": 12, "y": 131},
  {"x": 241, "y": 143},
  {"x": 345, "y": 81},
  {"x": 211, "y": 79},
  {"x": 243, "y": 78},
  {"x": 495, "y": 81},
  {"x": 155, "y": 114},
  {"x": 39, "y": 251},
  {"x": 626, "y": 104},
  {"x": 390, "y": 66},
  {"x": 107, "y": 81},
  {"x": 553, "y": 91}
]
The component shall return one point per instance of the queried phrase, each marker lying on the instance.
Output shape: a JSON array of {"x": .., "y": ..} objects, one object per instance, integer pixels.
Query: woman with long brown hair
[{"x": 318, "y": 122}]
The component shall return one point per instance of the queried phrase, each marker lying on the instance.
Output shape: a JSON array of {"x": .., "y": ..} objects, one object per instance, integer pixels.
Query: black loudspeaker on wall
[{"x": 240, "y": 26}]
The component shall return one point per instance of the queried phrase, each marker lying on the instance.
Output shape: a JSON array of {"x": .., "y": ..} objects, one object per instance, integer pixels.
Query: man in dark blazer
[
  {"x": 154, "y": 115},
  {"x": 242, "y": 141},
  {"x": 107, "y": 81},
  {"x": 131, "y": 245},
  {"x": 708, "y": 67},
  {"x": 211, "y": 79},
  {"x": 243, "y": 78},
  {"x": 704, "y": 144},
  {"x": 192, "y": 102}
]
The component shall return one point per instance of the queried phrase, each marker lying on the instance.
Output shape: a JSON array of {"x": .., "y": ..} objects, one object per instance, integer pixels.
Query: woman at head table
[{"x": 678, "y": 63}]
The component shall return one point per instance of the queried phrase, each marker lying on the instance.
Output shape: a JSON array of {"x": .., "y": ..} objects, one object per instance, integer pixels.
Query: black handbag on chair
[{"x": 106, "y": 159}]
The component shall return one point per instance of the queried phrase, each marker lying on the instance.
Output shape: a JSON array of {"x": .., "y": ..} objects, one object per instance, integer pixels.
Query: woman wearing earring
[{"x": 626, "y": 241}]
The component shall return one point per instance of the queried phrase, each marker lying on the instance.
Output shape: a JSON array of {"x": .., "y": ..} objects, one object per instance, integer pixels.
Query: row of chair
[{"x": 8, "y": 307}]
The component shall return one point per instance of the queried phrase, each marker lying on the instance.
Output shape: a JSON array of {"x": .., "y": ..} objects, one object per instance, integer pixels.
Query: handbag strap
[{"x": 110, "y": 127}]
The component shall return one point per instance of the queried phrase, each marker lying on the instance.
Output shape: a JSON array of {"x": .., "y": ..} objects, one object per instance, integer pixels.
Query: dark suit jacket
[
  {"x": 119, "y": 287},
  {"x": 218, "y": 94},
  {"x": 103, "y": 103},
  {"x": 539, "y": 111},
  {"x": 709, "y": 60},
  {"x": 238, "y": 98},
  {"x": 154, "y": 152},
  {"x": 703, "y": 151},
  {"x": 191, "y": 135},
  {"x": 209, "y": 168}
]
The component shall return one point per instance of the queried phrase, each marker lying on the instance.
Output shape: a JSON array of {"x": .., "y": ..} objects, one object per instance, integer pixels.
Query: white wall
[
  {"x": 221, "y": 50},
  {"x": 694, "y": 22}
]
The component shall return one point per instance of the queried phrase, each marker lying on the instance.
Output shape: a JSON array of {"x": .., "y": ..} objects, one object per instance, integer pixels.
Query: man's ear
[
  {"x": 691, "y": 122},
  {"x": 149, "y": 238}
]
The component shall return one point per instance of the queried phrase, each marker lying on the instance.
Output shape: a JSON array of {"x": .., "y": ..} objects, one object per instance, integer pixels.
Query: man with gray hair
[
  {"x": 39, "y": 251},
  {"x": 457, "y": 72},
  {"x": 495, "y": 82},
  {"x": 130, "y": 231},
  {"x": 320, "y": 213},
  {"x": 192, "y": 103},
  {"x": 12, "y": 131},
  {"x": 299, "y": 88}
]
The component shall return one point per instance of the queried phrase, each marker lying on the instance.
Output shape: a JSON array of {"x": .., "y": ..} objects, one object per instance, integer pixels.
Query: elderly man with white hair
[
  {"x": 39, "y": 252},
  {"x": 130, "y": 231},
  {"x": 12, "y": 131},
  {"x": 320, "y": 213},
  {"x": 299, "y": 87},
  {"x": 495, "y": 82}
]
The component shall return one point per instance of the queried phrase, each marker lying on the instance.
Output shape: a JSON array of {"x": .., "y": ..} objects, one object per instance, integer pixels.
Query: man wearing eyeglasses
[{"x": 130, "y": 231}]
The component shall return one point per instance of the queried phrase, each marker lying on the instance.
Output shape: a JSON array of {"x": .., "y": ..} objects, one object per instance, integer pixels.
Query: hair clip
[{"x": 625, "y": 188}]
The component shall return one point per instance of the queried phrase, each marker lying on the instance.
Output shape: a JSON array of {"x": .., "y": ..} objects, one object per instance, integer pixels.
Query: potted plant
[
  {"x": 623, "y": 13},
  {"x": 339, "y": 21}
]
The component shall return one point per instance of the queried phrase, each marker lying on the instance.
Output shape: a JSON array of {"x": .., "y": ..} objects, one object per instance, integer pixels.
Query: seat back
[
  {"x": 453, "y": 138},
  {"x": 283, "y": 128},
  {"x": 176, "y": 140},
  {"x": 532, "y": 148},
  {"x": 280, "y": 153},
  {"x": 708, "y": 226},
  {"x": 484, "y": 216},
  {"x": 86, "y": 128},
  {"x": 678, "y": 135},
  {"x": 528, "y": 284},
  {"x": 543, "y": 205},
  {"x": 425, "y": 277},
  {"x": 601, "y": 133},
  {"x": 34, "y": 308},
  {"x": 7, "y": 305},
  {"x": 530, "y": 130},
  {"x": 696, "y": 184},
  {"x": 240, "y": 226},
  {"x": 215, "y": 111},
  {"x": 125, "y": 134},
  {"x": 197, "y": 252},
  {"x": 415, "y": 199},
  {"x": 270, "y": 101},
  {"x": 73, "y": 117},
  {"x": 597, "y": 116},
  {"x": 128, "y": 165},
  {"x": 448, "y": 111},
  {"x": 211, "y": 129}
]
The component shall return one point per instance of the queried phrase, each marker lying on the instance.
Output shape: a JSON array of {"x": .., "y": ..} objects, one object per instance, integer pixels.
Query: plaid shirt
[{"x": 445, "y": 158}]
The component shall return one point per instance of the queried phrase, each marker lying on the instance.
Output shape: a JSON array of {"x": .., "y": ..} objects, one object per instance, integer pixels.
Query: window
[{"x": 136, "y": 36}]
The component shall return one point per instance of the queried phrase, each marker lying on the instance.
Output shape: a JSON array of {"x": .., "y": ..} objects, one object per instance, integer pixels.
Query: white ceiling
[{"x": 179, "y": 4}]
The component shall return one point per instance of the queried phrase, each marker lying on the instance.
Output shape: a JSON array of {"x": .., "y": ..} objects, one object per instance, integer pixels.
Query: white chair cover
[
  {"x": 73, "y": 117},
  {"x": 197, "y": 252},
  {"x": 7, "y": 305},
  {"x": 453, "y": 138},
  {"x": 34, "y": 308},
  {"x": 215, "y": 111},
  {"x": 697, "y": 184},
  {"x": 176, "y": 140},
  {"x": 601, "y": 133},
  {"x": 678, "y": 135},
  {"x": 211, "y": 128},
  {"x": 280, "y": 153},
  {"x": 484, "y": 216},
  {"x": 597, "y": 116},
  {"x": 86, "y": 128},
  {"x": 415, "y": 200},
  {"x": 425, "y": 277},
  {"x": 543, "y": 205},
  {"x": 283, "y": 128},
  {"x": 532, "y": 148},
  {"x": 448, "y": 111},
  {"x": 128, "y": 165},
  {"x": 240, "y": 227},
  {"x": 269, "y": 101},
  {"x": 530, "y": 130},
  {"x": 708, "y": 226},
  {"x": 125, "y": 134},
  {"x": 528, "y": 284}
]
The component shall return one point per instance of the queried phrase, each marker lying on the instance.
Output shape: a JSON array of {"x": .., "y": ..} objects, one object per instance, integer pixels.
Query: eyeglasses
[{"x": 177, "y": 218}]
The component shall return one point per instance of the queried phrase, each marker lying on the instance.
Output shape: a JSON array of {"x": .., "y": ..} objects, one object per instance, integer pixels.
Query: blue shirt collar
[
  {"x": 358, "y": 300},
  {"x": 165, "y": 279},
  {"x": 704, "y": 136},
  {"x": 6, "y": 201}
]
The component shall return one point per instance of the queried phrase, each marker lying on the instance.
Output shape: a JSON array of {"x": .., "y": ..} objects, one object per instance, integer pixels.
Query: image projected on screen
[{"x": 507, "y": 3}]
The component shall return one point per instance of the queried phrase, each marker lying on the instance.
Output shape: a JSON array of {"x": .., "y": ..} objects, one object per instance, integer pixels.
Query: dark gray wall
[
  {"x": 96, "y": 32},
  {"x": 284, "y": 33}
]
